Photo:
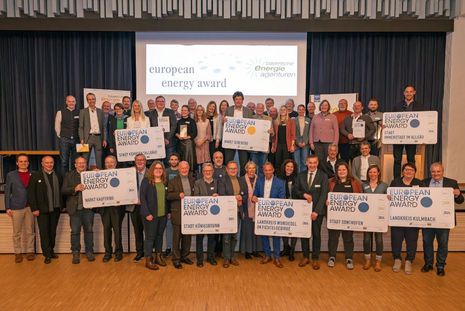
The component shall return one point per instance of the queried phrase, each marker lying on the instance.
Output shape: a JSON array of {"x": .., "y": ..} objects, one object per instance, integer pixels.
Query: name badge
[
  {"x": 188, "y": 122},
  {"x": 212, "y": 188},
  {"x": 76, "y": 117},
  {"x": 306, "y": 122},
  {"x": 346, "y": 186},
  {"x": 39, "y": 180},
  {"x": 366, "y": 187},
  {"x": 317, "y": 186}
]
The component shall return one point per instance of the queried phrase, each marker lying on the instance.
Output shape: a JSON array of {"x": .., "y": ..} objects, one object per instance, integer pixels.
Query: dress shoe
[
  {"x": 316, "y": 265},
  {"x": 18, "y": 258},
  {"x": 54, "y": 256},
  {"x": 106, "y": 258},
  {"x": 278, "y": 263},
  {"x": 149, "y": 264},
  {"x": 30, "y": 256},
  {"x": 212, "y": 261},
  {"x": 118, "y": 258},
  {"x": 76, "y": 258},
  {"x": 291, "y": 254},
  {"x": 187, "y": 261},
  {"x": 159, "y": 260},
  {"x": 90, "y": 256},
  {"x": 426, "y": 268},
  {"x": 167, "y": 252},
  {"x": 304, "y": 262},
  {"x": 200, "y": 264},
  {"x": 257, "y": 255},
  {"x": 47, "y": 260},
  {"x": 226, "y": 263},
  {"x": 138, "y": 257},
  {"x": 177, "y": 265},
  {"x": 248, "y": 255},
  {"x": 266, "y": 260},
  {"x": 234, "y": 262},
  {"x": 441, "y": 272},
  {"x": 378, "y": 266}
]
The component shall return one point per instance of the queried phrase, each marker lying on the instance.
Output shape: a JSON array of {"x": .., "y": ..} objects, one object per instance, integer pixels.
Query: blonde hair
[
  {"x": 141, "y": 113},
  {"x": 203, "y": 117},
  {"x": 281, "y": 119}
]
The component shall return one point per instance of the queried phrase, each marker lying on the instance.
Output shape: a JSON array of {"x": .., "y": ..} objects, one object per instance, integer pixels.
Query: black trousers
[
  {"x": 181, "y": 244},
  {"x": 136, "y": 220},
  {"x": 154, "y": 231},
  {"x": 243, "y": 158},
  {"x": 211, "y": 244},
  {"x": 398, "y": 150},
  {"x": 316, "y": 240},
  {"x": 398, "y": 234},
  {"x": 281, "y": 155},
  {"x": 347, "y": 238},
  {"x": 111, "y": 219},
  {"x": 48, "y": 223}
]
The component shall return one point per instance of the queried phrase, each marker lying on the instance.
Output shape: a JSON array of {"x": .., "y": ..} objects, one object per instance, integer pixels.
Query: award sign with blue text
[
  {"x": 246, "y": 134},
  {"x": 109, "y": 187},
  {"x": 410, "y": 127},
  {"x": 148, "y": 141},
  {"x": 358, "y": 212},
  {"x": 282, "y": 217},
  {"x": 209, "y": 215},
  {"x": 422, "y": 207}
]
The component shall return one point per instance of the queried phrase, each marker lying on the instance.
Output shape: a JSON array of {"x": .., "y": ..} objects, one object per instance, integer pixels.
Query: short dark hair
[
  {"x": 409, "y": 164},
  {"x": 120, "y": 105},
  {"x": 175, "y": 155},
  {"x": 126, "y": 97},
  {"x": 79, "y": 156},
  {"x": 88, "y": 94},
  {"x": 325, "y": 101},
  {"x": 237, "y": 94},
  {"x": 21, "y": 155},
  {"x": 159, "y": 96}
]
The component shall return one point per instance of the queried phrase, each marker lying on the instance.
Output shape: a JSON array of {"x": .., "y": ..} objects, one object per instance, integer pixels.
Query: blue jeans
[
  {"x": 276, "y": 246},
  {"x": 259, "y": 158},
  {"x": 442, "y": 236},
  {"x": 300, "y": 157},
  {"x": 82, "y": 218},
  {"x": 67, "y": 153},
  {"x": 169, "y": 234},
  {"x": 154, "y": 235}
]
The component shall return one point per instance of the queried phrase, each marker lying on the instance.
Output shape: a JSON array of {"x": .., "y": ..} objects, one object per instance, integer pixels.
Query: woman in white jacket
[{"x": 138, "y": 119}]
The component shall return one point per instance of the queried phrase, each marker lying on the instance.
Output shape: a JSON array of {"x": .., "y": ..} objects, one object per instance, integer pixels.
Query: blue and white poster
[
  {"x": 358, "y": 212},
  {"x": 148, "y": 141},
  {"x": 421, "y": 207},
  {"x": 109, "y": 187},
  {"x": 410, "y": 127},
  {"x": 209, "y": 215},
  {"x": 283, "y": 217},
  {"x": 246, "y": 134}
]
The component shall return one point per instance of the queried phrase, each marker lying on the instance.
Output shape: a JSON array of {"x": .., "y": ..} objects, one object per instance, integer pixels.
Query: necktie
[{"x": 310, "y": 179}]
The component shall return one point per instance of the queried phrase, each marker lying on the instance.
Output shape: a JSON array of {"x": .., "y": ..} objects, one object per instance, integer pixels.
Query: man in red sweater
[{"x": 343, "y": 140}]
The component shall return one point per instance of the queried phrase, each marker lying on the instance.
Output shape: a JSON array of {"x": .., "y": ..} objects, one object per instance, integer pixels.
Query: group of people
[{"x": 310, "y": 155}]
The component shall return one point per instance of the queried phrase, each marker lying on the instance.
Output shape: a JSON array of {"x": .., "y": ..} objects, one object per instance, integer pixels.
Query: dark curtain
[
  {"x": 380, "y": 65},
  {"x": 39, "y": 69}
]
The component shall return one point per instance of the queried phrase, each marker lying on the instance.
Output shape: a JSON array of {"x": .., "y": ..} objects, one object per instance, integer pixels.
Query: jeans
[
  {"x": 259, "y": 158},
  {"x": 67, "y": 153},
  {"x": 367, "y": 240},
  {"x": 321, "y": 150},
  {"x": 154, "y": 235},
  {"x": 398, "y": 234},
  {"x": 442, "y": 236},
  {"x": 344, "y": 152},
  {"x": 276, "y": 246},
  {"x": 347, "y": 238},
  {"x": 300, "y": 156},
  {"x": 169, "y": 234},
  {"x": 249, "y": 237},
  {"x": 82, "y": 218},
  {"x": 374, "y": 150},
  {"x": 398, "y": 150}
]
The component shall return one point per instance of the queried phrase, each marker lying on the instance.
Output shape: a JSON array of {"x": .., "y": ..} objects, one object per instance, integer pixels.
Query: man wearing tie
[
  {"x": 312, "y": 185},
  {"x": 328, "y": 167},
  {"x": 442, "y": 235},
  {"x": 270, "y": 186},
  {"x": 92, "y": 129},
  {"x": 134, "y": 210}
]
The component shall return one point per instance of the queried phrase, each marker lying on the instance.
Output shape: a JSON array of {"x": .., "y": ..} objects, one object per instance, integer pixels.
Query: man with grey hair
[
  {"x": 290, "y": 108},
  {"x": 192, "y": 103}
]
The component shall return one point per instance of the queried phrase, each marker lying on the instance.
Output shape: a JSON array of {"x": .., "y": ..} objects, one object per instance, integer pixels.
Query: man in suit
[
  {"x": 17, "y": 207},
  {"x": 361, "y": 163},
  {"x": 270, "y": 187},
  {"x": 92, "y": 129},
  {"x": 238, "y": 111},
  {"x": 162, "y": 111},
  {"x": 44, "y": 195},
  {"x": 437, "y": 179},
  {"x": 78, "y": 215},
  {"x": 329, "y": 166},
  {"x": 179, "y": 187},
  {"x": 312, "y": 185},
  {"x": 407, "y": 104},
  {"x": 229, "y": 186}
]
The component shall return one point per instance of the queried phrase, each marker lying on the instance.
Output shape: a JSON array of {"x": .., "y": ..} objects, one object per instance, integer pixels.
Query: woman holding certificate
[
  {"x": 342, "y": 182},
  {"x": 373, "y": 185},
  {"x": 186, "y": 132},
  {"x": 204, "y": 135},
  {"x": 154, "y": 210},
  {"x": 284, "y": 139}
]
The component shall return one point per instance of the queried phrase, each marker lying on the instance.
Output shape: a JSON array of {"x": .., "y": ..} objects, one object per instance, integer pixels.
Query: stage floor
[{"x": 250, "y": 286}]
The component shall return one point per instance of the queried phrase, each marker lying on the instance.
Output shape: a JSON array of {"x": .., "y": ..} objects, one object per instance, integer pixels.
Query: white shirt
[
  {"x": 94, "y": 126},
  {"x": 364, "y": 167},
  {"x": 267, "y": 188},
  {"x": 238, "y": 113},
  {"x": 132, "y": 123}
]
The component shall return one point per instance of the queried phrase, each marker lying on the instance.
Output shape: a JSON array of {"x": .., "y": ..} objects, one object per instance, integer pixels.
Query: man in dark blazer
[
  {"x": 407, "y": 104},
  {"x": 44, "y": 195},
  {"x": 329, "y": 166},
  {"x": 312, "y": 185},
  {"x": 78, "y": 215},
  {"x": 270, "y": 187},
  {"x": 437, "y": 179},
  {"x": 238, "y": 111},
  {"x": 179, "y": 187},
  {"x": 17, "y": 207},
  {"x": 162, "y": 111},
  {"x": 92, "y": 129},
  {"x": 358, "y": 170}
]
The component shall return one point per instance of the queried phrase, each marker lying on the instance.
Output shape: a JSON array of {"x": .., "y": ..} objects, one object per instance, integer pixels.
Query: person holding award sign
[
  {"x": 137, "y": 119},
  {"x": 118, "y": 121},
  {"x": 186, "y": 132}
]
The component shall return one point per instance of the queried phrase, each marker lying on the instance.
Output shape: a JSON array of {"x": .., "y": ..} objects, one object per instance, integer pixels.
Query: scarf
[
  {"x": 53, "y": 196},
  {"x": 250, "y": 189}
]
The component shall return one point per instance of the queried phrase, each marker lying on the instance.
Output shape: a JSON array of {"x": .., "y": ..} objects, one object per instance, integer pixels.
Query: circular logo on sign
[
  {"x": 144, "y": 139},
  {"x": 289, "y": 212},
  {"x": 251, "y": 130},
  {"x": 414, "y": 123},
  {"x": 114, "y": 182},
  {"x": 97, "y": 175},
  {"x": 363, "y": 207},
  {"x": 346, "y": 197},
  {"x": 215, "y": 209},
  {"x": 426, "y": 202}
]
